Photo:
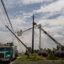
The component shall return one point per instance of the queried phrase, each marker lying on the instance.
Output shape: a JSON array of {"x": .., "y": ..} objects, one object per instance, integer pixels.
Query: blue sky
[{"x": 49, "y": 13}]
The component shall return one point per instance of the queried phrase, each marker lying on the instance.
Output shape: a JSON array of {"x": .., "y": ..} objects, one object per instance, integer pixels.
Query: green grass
[{"x": 34, "y": 58}]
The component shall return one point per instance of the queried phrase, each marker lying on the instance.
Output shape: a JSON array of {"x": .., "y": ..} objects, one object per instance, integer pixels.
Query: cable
[{"x": 7, "y": 14}]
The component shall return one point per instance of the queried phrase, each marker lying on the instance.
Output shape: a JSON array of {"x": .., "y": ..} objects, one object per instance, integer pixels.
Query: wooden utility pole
[
  {"x": 18, "y": 38},
  {"x": 33, "y": 36}
]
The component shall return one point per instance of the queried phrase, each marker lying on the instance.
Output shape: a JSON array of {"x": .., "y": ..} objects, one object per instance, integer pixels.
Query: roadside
[
  {"x": 35, "y": 59},
  {"x": 12, "y": 62}
]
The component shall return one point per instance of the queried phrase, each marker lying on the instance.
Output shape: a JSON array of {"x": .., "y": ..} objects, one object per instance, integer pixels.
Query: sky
[{"x": 48, "y": 13}]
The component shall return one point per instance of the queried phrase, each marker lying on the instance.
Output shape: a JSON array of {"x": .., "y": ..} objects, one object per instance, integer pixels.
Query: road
[
  {"x": 4, "y": 62},
  {"x": 12, "y": 62},
  {"x": 41, "y": 63},
  {"x": 29, "y": 63},
  {"x": 44, "y": 63}
]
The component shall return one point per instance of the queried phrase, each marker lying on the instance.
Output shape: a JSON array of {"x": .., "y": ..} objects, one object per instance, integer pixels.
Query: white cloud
[
  {"x": 5, "y": 37},
  {"x": 12, "y": 3},
  {"x": 17, "y": 23},
  {"x": 52, "y": 26},
  {"x": 58, "y": 35},
  {"x": 35, "y": 1},
  {"x": 31, "y": 1},
  {"x": 53, "y": 7},
  {"x": 52, "y": 22}
]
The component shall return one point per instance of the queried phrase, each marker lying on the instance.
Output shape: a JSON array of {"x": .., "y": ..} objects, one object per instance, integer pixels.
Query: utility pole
[
  {"x": 40, "y": 36},
  {"x": 33, "y": 36}
]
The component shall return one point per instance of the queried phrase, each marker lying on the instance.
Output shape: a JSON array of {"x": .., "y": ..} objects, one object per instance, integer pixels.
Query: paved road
[
  {"x": 7, "y": 62},
  {"x": 4, "y": 62},
  {"x": 41, "y": 63},
  {"x": 14, "y": 60},
  {"x": 29, "y": 63}
]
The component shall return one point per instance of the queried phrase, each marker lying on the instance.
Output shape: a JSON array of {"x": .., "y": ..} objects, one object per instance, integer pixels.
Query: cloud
[
  {"x": 50, "y": 16},
  {"x": 51, "y": 11},
  {"x": 35, "y": 1},
  {"x": 18, "y": 23},
  {"x": 56, "y": 6},
  {"x": 12, "y": 3},
  {"x": 31, "y": 1},
  {"x": 54, "y": 27}
]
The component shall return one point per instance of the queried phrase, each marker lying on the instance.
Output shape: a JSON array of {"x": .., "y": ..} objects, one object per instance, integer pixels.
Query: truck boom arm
[
  {"x": 51, "y": 37},
  {"x": 17, "y": 38}
]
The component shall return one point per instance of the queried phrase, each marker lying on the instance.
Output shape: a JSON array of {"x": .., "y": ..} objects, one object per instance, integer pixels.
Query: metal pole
[
  {"x": 40, "y": 36},
  {"x": 33, "y": 36}
]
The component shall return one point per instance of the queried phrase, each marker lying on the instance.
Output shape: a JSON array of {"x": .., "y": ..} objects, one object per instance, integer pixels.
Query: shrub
[
  {"x": 51, "y": 56},
  {"x": 35, "y": 56}
]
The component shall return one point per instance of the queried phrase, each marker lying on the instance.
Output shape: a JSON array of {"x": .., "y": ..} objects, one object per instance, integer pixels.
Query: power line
[
  {"x": 4, "y": 7},
  {"x": 7, "y": 14},
  {"x": 17, "y": 38}
]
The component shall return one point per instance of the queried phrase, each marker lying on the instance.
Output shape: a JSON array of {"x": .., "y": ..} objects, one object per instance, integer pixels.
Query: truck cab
[{"x": 7, "y": 53}]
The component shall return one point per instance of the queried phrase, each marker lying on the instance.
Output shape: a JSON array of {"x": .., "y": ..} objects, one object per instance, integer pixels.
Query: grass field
[{"x": 34, "y": 58}]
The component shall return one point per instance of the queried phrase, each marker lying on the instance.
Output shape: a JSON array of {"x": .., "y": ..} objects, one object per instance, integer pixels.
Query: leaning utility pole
[
  {"x": 33, "y": 36},
  {"x": 18, "y": 38}
]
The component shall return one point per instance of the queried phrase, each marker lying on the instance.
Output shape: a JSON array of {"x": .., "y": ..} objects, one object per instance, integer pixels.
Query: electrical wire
[
  {"x": 6, "y": 18},
  {"x": 6, "y": 14}
]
